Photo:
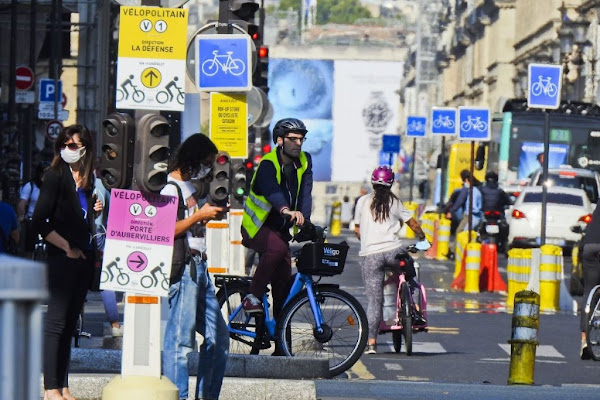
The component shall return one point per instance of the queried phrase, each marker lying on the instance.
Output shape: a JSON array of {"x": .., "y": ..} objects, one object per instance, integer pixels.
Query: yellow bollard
[
  {"x": 443, "y": 239},
  {"x": 550, "y": 276},
  {"x": 525, "y": 325},
  {"x": 336, "y": 218},
  {"x": 518, "y": 270},
  {"x": 411, "y": 206},
  {"x": 472, "y": 264}
]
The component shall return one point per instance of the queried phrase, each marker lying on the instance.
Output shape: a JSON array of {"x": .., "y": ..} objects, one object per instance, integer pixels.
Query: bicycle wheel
[
  {"x": 241, "y": 343},
  {"x": 593, "y": 327},
  {"x": 344, "y": 335},
  {"x": 397, "y": 339},
  {"x": 406, "y": 318}
]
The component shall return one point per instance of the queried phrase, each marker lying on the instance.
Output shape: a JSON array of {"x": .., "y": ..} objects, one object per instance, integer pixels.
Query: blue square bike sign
[
  {"x": 223, "y": 63},
  {"x": 474, "y": 123},
  {"x": 415, "y": 126},
  {"x": 545, "y": 82}
]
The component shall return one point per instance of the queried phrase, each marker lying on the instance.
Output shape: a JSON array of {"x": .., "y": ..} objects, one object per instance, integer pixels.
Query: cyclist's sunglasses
[{"x": 71, "y": 146}]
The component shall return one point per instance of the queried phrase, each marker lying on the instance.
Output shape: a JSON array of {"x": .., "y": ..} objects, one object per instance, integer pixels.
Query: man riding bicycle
[{"x": 280, "y": 195}]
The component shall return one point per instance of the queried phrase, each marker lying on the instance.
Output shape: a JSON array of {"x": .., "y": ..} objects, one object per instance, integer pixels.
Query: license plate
[
  {"x": 492, "y": 229},
  {"x": 557, "y": 242}
]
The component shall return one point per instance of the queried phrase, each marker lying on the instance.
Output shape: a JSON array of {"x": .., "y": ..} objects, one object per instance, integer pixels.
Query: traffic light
[
  {"x": 152, "y": 152},
  {"x": 260, "y": 78},
  {"x": 219, "y": 186},
  {"x": 116, "y": 160},
  {"x": 239, "y": 187}
]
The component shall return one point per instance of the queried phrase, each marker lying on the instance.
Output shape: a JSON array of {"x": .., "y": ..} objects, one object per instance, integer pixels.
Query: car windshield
[
  {"x": 588, "y": 184},
  {"x": 556, "y": 198}
]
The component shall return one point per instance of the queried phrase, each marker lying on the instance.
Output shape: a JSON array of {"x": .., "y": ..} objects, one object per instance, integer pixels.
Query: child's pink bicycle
[{"x": 411, "y": 315}]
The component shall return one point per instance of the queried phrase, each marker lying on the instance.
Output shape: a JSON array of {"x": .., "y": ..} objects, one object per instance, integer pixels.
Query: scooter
[{"x": 493, "y": 229}]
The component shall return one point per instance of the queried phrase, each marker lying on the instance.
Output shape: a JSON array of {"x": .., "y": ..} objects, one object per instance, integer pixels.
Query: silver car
[{"x": 579, "y": 178}]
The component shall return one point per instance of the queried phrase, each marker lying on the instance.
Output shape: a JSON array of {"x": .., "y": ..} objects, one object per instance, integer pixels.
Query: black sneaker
[
  {"x": 419, "y": 319},
  {"x": 586, "y": 353},
  {"x": 252, "y": 305}
]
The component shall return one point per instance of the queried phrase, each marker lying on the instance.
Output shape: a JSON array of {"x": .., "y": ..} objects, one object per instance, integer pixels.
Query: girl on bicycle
[{"x": 379, "y": 215}]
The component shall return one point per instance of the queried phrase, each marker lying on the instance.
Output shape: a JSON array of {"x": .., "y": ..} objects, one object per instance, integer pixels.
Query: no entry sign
[{"x": 24, "y": 78}]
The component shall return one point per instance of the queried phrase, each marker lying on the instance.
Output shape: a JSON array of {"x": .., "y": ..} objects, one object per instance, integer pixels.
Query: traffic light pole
[{"x": 224, "y": 26}]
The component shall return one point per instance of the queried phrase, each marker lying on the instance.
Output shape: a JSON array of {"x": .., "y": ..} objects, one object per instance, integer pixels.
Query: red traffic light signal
[{"x": 219, "y": 186}]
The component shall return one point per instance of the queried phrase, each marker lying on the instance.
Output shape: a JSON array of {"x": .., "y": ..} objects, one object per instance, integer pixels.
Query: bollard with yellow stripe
[
  {"x": 550, "y": 277},
  {"x": 336, "y": 219},
  {"x": 472, "y": 264},
  {"x": 461, "y": 243},
  {"x": 523, "y": 342},
  {"x": 443, "y": 239},
  {"x": 517, "y": 270},
  {"x": 412, "y": 207}
]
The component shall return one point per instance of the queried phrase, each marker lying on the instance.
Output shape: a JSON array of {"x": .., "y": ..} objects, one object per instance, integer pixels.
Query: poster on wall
[
  {"x": 303, "y": 89},
  {"x": 530, "y": 153},
  {"x": 365, "y": 108}
]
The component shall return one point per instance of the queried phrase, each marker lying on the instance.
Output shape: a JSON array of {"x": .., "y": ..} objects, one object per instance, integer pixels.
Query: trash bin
[{"x": 22, "y": 290}]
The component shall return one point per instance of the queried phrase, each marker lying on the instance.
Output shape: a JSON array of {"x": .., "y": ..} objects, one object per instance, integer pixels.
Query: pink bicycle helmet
[{"x": 382, "y": 176}]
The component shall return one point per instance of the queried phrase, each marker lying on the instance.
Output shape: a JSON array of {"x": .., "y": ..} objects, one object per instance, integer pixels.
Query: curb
[
  {"x": 104, "y": 361},
  {"x": 89, "y": 387}
]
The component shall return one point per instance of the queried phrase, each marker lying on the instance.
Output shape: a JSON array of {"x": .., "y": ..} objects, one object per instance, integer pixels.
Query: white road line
[
  {"x": 422, "y": 347},
  {"x": 541, "y": 351},
  {"x": 392, "y": 367}
]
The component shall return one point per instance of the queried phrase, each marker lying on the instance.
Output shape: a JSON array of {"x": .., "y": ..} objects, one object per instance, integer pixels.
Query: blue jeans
[{"x": 193, "y": 306}]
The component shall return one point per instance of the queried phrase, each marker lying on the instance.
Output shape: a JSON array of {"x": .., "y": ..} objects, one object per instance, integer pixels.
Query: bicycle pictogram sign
[
  {"x": 545, "y": 82},
  {"x": 223, "y": 63},
  {"x": 474, "y": 123}
]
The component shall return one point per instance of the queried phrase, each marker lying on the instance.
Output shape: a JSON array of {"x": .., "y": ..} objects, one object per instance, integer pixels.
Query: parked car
[
  {"x": 566, "y": 176},
  {"x": 564, "y": 207}
]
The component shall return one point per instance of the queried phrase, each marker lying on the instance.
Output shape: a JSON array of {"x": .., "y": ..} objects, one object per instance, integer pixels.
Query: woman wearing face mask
[
  {"x": 64, "y": 217},
  {"x": 193, "y": 305}
]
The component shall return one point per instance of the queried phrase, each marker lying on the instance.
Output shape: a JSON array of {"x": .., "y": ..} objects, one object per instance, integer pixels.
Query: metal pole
[
  {"x": 29, "y": 123},
  {"x": 412, "y": 170},
  {"x": 443, "y": 169},
  {"x": 12, "y": 65},
  {"x": 224, "y": 26},
  {"x": 545, "y": 176},
  {"x": 471, "y": 180}
]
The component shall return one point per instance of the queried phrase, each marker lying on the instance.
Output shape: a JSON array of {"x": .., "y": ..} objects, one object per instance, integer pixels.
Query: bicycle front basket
[{"x": 322, "y": 259}]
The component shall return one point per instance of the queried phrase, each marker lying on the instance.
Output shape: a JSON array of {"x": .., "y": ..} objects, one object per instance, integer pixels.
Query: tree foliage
[{"x": 332, "y": 11}]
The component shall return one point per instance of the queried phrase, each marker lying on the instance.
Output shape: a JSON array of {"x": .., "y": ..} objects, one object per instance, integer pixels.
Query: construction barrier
[
  {"x": 523, "y": 342},
  {"x": 489, "y": 275},
  {"x": 472, "y": 263},
  {"x": 431, "y": 253},
  {"x": 336, "y": 219},
  {"x": 517, "y": 271},
  {"x": 427, "y": 225},
  {"x": 462, "y": 239},
  {"x": 443, "y": 239},
  {"x": 413, "y": 207},
  {"x": 550, "y": 277}
]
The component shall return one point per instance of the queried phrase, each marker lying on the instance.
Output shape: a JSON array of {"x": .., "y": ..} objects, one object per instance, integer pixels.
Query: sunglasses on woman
[{"x": 71, "y": 146}]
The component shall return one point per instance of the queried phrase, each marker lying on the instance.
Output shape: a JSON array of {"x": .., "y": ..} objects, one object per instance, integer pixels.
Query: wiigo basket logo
[{"x": 328, "y": 251}]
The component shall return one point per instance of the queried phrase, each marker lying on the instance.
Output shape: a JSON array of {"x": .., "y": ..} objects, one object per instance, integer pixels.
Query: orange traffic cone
[
  {"x": 459, "y": 282},
  {"x": 489, "y": 276},
  {"x": 431, "y": 253}
]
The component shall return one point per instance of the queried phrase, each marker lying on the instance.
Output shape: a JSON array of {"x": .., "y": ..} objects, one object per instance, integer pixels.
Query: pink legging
[{"x": 274, "y": 265}]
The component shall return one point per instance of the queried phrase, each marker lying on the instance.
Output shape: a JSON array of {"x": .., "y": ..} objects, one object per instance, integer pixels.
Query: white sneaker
[{"x": 117, "y": 332}]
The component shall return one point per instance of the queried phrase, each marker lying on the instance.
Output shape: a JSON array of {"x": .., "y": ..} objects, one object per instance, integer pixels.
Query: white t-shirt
[
  {"x": 187, "y": 190},
  {"x": 377, "y": 237},
  {"x": 30, "y": 192}
]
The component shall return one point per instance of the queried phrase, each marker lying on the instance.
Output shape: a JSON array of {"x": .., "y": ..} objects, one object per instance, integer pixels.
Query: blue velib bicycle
[{"x": 318, "y": 320}]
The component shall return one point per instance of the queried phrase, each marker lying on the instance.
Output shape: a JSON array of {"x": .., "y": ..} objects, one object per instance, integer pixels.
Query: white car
[
  {"x": 565, "y": 207},
  {"x": 567, "y": 176}
]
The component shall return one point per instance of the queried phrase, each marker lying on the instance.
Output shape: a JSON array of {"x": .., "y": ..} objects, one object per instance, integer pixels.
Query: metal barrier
[{"x": 22, "y": 289}]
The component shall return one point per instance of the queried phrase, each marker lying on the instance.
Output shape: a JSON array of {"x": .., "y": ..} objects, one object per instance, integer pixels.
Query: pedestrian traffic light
[
  {"x": 152, "y": 152},
  {"x": 260, "y": 78},
  {"x": 117, "y": 144},
  {"x": 219, "y": 186},
  {"x": 239, "y": 186}
]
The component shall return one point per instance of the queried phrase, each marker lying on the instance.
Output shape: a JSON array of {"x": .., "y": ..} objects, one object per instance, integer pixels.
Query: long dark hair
[
  {"x": 383, "y": 198},
  {"x": 87, "y": 167},
  {"x": 189, "y": 155}
]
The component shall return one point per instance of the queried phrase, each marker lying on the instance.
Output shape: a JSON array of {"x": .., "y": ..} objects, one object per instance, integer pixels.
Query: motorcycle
[{"x": 493, "y": 229}]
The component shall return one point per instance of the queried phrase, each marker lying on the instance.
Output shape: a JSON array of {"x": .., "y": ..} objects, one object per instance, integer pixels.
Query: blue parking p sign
[
  {"x": 415, "y": 126},
  {"x": 223, "y": 63},
  {"x": 474, "y": 123},
  {"x": 48, "y": 91},
  {"x": 544, "y": 86}
]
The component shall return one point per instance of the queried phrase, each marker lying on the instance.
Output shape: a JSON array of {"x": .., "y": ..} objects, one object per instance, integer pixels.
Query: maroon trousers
[{"x": 274, "y": 265}]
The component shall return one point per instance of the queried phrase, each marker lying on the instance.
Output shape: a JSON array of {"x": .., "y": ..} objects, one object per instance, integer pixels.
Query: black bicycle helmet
[{"x": 287, "y": 125}]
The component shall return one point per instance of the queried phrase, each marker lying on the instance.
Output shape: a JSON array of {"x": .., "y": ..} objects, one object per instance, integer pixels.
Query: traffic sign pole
[{"x": 443, "y": 123}]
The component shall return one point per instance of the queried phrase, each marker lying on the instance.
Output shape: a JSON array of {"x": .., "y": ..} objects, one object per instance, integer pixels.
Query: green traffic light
[{"x": 239, "y": 191}]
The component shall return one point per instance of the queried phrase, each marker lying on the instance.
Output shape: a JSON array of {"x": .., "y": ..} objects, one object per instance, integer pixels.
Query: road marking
[
  {"x": 360, "y": 371},
  {"x": 444, "y": 330},
  {"x": 506, "y": 360},
  {"x": 392, "y": 367},
  {"x": 422, "y": 347},
  {"x": 412, "y": 378},
  {"x": 541, "y": 351}
]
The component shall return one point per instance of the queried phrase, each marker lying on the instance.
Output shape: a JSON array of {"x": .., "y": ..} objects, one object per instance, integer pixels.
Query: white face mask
[
  {"x": 204, "y": 170},
  {"x": 72, "y": 156}
]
